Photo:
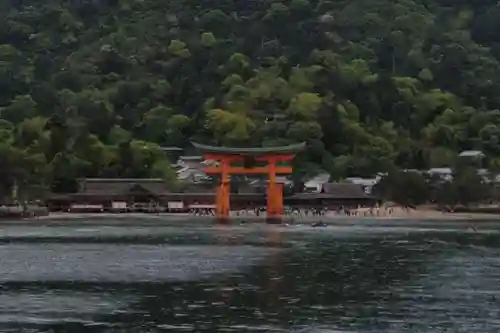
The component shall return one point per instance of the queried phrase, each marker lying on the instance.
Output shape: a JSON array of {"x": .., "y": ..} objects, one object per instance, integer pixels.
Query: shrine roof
[{"x": 295, "y": 148}]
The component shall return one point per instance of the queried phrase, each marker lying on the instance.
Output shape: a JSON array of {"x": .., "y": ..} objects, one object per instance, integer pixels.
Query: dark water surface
[{"x": 97, "y": 277}]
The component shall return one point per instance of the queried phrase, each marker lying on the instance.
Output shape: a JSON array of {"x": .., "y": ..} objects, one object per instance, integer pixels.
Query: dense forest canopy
[{"x": 94, "y": 88}]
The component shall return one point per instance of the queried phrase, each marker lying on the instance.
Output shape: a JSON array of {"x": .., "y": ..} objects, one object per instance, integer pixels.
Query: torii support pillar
[
  {"x": 274, "y": 209},
  {"x": 222, "y": 194}
]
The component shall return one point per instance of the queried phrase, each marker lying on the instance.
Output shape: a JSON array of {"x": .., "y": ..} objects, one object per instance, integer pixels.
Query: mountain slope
[{"x": 93, "y": 88}]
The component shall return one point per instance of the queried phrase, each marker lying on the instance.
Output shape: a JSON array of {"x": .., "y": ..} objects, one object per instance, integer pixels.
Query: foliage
[
  {"x": 404, "y": 188},
  {"x": 94, "y": 88},
  {"x": 412, "y": 188}
]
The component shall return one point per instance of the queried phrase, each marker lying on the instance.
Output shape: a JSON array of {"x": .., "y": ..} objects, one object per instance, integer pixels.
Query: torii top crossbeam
[
  {"x": 271, "y": 155},
  {"x": 290, "y": 149}
]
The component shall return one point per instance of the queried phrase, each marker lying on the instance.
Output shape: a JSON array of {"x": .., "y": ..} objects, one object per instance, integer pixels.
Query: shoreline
[
  {"x": 397, "y": 213},
  {"x": 420, "y": 217}
]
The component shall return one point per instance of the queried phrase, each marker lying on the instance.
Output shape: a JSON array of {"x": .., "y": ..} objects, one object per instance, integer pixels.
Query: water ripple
[{"x": 337, "y": 279}]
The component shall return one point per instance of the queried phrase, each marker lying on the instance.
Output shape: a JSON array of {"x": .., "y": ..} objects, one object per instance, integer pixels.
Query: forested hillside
[{"x": 94, "y": 87}]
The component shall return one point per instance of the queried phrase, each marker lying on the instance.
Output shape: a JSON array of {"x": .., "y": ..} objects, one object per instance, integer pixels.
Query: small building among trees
[{"x": 332, "y": 196}]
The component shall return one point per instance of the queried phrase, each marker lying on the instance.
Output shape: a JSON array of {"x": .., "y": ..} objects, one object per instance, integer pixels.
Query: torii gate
[{"x": 248, "y": 157}]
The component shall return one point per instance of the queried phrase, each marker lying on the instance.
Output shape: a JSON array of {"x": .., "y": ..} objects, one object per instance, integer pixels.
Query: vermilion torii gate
[{"x": 248, "y": 160}]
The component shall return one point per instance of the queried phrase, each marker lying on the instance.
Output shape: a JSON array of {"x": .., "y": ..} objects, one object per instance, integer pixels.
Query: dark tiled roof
[
  {"x": 169, "y": 149},
  {"x": 310, "y": 196},
  {"x": 251, "y": 151},
  {"x": 154, "y": 188},
  {"x": 191, "y": 158},
  {"x": 104, "y": 188},
  {"x": 344, "y": 190},
  {"x": 249, "y": 189},
  {"x": 121, "y": 180},
  {"x": 199, "y": 188},
  {"x": 167, "y": 196},
  {"x": 122, "y": 186},
  {"x": 336, "y": 191}
]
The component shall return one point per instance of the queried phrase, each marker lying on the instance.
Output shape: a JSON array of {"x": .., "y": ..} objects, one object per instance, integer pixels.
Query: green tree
[
  {"x": 470, "y": 187},
  {"x": 370, "y": 85},
  {"x": 405, "y": 188}
]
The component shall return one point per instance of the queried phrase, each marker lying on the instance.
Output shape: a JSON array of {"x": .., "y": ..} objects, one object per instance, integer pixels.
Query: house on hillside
[
  {"x": 366, "y": 183},
  {"x": 472, "y": 154},
  {"x": 189, "y": 168},
  {"x": 315, "y": 183},
  {"x": 332, "y": 196},
  {"x": 444, "y": 174},
  {"x": 474, "y": 158}
]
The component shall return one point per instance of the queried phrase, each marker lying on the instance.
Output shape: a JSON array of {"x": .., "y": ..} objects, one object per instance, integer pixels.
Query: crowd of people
[{"x": 305, "y": 211}]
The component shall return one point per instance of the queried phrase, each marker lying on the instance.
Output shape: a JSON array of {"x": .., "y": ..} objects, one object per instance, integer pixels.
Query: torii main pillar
[{"x": 249, "y": 161}]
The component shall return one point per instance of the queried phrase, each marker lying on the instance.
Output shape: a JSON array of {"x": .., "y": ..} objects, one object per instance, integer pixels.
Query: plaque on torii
[{"x": 249, "y": 161}]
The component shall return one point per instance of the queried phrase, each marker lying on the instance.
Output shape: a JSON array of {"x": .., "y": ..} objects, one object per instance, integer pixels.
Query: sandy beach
[{"x": 397, "y": 214}]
